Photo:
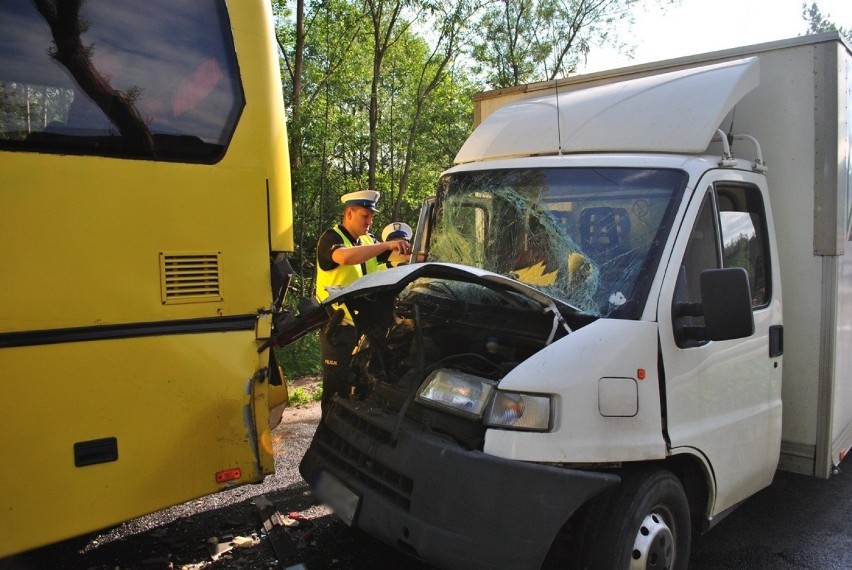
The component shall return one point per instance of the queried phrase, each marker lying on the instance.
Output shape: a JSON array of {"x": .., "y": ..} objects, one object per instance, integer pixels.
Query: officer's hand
[{"x": 401, "y": 246}]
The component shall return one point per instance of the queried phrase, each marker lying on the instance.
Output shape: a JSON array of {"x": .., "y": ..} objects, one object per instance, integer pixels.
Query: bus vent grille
[{"x": 190, "y": 277}]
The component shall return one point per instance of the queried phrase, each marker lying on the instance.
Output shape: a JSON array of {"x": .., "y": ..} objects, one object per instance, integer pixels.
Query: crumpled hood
[{"x": 399, "y": 277}]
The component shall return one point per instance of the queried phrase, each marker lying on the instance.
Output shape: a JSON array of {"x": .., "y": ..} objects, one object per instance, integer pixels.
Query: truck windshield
[{"x": 591, "y": 237}]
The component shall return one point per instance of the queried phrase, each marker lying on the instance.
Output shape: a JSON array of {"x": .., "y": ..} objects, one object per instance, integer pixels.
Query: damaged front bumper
[{"x": 427, "y": 496}]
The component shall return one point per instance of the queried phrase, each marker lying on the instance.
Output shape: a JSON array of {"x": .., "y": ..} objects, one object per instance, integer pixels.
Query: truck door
[{"x": 723, "y": 398}]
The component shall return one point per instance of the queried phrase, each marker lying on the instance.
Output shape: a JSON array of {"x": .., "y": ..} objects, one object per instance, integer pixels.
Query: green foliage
[
  {"x": 302, "y": 357},
  {"x": 21, "y": 104},
  {"x": 523, "y": 41},
  {"x": 302, "y": 396},
  {"x": 819, "y": 22},
  {"x": 424, "y": 113}
]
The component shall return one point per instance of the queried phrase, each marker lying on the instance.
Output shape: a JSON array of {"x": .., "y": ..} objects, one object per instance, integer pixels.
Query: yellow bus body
[{"x": 97, "y": 350}]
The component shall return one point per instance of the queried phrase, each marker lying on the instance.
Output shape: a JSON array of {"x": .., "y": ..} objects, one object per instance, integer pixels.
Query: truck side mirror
[
  {"x": 726, "y": 303},
  {"x": 725, "y": 308}
]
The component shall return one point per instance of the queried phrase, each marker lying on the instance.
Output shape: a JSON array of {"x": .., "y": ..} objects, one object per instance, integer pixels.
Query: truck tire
[{"x": 643, "y": 523}]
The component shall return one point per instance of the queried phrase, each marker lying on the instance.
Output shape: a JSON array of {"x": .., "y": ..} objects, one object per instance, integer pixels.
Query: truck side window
[
  {"x": 744, "y": 243},
  {"x": 730, "y": 231}
]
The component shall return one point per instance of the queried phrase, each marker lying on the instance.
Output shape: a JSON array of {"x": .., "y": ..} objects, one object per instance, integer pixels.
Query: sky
[{"x": 698, "y": 26}]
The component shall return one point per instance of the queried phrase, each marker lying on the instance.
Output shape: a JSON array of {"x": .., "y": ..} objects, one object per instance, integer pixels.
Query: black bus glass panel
[{"x": 155, "y": 79}]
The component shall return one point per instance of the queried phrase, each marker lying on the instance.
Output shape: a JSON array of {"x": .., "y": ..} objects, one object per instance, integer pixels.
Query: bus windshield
[
  {"x": 128, "y": 79},
  {"x": 591, "y": 237}
]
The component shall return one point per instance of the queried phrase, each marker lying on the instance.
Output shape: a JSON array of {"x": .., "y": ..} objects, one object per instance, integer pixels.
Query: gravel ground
[{"x": 225, "y": 530}]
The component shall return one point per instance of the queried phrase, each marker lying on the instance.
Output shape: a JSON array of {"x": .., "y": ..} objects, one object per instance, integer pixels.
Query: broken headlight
[
  {"x": 456, "y": 392},
  {"x": 478, "y": 398}
]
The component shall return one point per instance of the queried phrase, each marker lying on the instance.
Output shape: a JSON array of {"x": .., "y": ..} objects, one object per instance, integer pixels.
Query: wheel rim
[{"x": 654, "y": 546}]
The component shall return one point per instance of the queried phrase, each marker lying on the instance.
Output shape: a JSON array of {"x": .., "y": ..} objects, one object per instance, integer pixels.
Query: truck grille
[{"x": 348, "y": 455}]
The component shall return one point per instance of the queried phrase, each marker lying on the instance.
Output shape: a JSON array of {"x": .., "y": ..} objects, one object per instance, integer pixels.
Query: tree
[
  {"x": 535, "y": 40},
  {"x": 361, "y": 110},
  {"x": 819, "y": 23},
  {"x": 430, "y": 81},
  {"x": 324, "y": 75},
  {"x": 387, "y": 28}
]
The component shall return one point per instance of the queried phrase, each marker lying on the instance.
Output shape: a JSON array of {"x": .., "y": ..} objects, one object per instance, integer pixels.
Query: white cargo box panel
[{"x": 799, "y": 114}]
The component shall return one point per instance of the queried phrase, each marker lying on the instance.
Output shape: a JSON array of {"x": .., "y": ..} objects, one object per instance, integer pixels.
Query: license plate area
[{"x": 342, "y": 500}]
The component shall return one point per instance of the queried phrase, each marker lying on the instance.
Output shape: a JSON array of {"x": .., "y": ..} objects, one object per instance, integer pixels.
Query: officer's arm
[{"x": 360, "y": 253}]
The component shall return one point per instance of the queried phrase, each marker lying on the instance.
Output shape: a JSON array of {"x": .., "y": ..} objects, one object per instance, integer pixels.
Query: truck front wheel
[{"x": 643, "y": 523}]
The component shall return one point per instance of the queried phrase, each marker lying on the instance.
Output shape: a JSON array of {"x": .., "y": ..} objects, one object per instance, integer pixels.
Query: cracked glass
[{"x": 591, "y": 237}]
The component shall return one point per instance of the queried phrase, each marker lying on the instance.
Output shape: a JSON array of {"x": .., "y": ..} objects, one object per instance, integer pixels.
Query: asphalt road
[{"x": 797, "y": 523}]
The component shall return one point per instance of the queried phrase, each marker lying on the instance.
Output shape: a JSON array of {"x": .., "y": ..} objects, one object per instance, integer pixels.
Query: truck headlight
[
  {"x": 456, "y": 392},
  {"x": 513, "y": 410}
]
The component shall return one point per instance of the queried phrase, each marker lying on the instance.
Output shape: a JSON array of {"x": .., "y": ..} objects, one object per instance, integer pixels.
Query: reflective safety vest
[{"x": 343, "y": 275}]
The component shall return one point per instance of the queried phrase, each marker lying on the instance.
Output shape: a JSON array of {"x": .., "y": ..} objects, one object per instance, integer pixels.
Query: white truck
[{"x": 636, "y": 306}]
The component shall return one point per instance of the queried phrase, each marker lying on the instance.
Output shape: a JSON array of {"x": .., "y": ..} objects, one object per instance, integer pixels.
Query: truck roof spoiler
[{"x": 678, "y": 111}]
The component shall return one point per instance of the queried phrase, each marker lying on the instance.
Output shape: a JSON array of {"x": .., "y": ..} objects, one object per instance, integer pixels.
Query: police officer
[
  {"x": 394, "y": 231},
  {"x": 346, "y": 252}
]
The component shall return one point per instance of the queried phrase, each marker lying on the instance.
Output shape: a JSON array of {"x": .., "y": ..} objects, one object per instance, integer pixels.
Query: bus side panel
[
  {"x": 87, "y": 235},
  {"x": 116, "y": 260},
  {"x": 176, "y": 406},
  {"x": 267, "y": 141}
]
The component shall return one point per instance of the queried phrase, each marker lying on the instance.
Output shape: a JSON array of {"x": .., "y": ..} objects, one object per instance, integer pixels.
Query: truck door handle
[{"x": 776, "y": 340}]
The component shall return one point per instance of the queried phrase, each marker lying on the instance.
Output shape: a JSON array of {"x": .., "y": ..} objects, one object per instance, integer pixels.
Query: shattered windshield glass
[{"x": 591, "y": 237}]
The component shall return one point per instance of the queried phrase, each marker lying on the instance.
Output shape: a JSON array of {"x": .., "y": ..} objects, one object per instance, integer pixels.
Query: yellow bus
[{"x": 144, "y": 208}]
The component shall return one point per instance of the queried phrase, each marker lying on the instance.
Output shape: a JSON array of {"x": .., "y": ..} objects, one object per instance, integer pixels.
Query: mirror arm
[{"x": 689, "y": 310}]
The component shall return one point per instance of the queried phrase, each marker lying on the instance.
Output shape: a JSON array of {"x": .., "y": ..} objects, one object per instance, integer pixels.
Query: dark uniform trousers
[{"x": 336, "y": 344}]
